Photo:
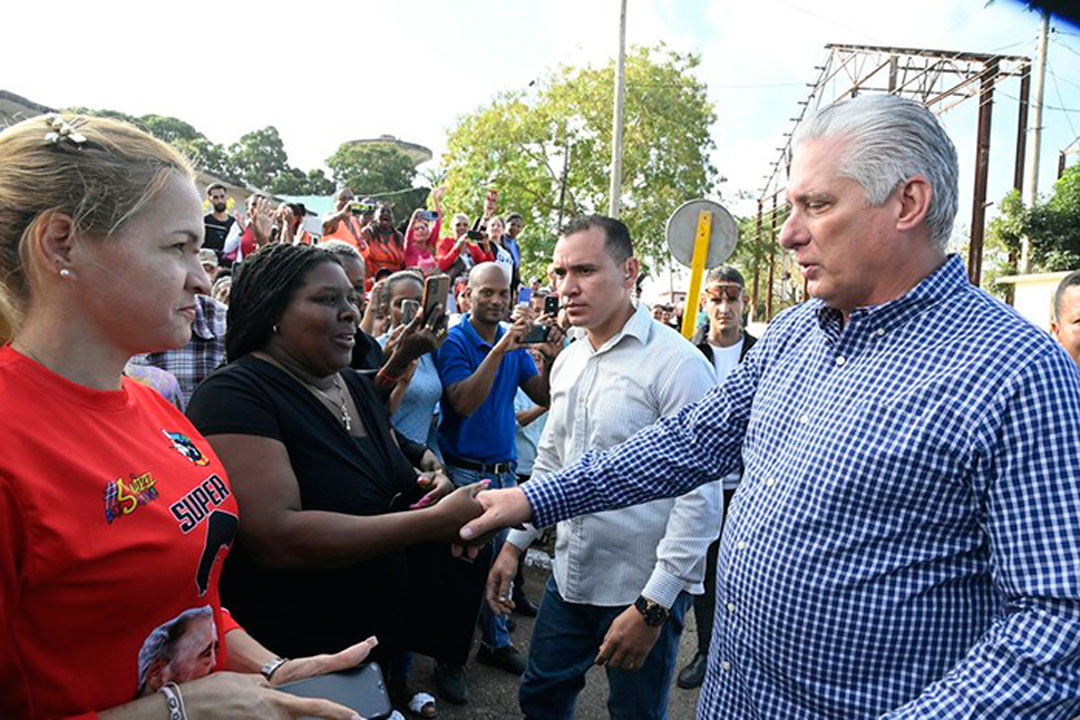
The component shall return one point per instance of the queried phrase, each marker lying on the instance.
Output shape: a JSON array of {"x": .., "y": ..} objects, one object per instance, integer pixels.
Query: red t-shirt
[{"x": 115, "y": 517}]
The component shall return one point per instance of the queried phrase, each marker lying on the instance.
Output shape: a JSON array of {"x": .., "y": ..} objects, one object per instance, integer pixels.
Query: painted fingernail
[{"x": 467, "y": 533}]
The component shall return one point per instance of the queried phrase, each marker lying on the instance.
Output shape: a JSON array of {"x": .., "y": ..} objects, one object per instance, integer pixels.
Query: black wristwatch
[{"x": 654, "y": 613}]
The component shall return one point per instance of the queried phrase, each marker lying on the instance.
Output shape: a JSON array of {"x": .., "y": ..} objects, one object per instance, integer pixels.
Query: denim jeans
[
  {"x": 565, "y": 641},
  {"x": 495, "y": 632}
]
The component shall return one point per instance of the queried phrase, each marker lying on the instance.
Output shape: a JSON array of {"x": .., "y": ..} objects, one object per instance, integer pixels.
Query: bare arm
[
  {"x": 330, "y": 222},
  {"x": 281, "y": 533},
  {"x": 469, "y": 394},
  {"x": 526, "y": 417}
]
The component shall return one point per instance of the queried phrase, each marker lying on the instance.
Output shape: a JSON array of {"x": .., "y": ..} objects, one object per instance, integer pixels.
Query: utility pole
[
  {"x": 1036, "y": 135},
  {"x": 617, "y": 120}
]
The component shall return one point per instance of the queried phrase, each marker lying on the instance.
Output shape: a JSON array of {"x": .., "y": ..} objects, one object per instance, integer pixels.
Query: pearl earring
[
  {"x": 276, "y": 331},
  {"x": 67, "y": 274}
]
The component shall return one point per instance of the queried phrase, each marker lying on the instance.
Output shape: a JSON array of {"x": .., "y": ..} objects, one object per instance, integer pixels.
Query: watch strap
[
  {"x": 272, "y": 666},
  {"x": 653, "y": 612}
]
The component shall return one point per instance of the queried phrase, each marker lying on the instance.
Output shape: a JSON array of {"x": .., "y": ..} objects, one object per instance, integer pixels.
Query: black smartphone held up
[
  {"x": 551, "y": 305},
  {"x": 537, "y": 334},
  {"x": 436, "y": 290},
  {"x": 361, "y": 689},
  {"x": 408, "y": 310},
  {"x": 475, "y": 235},
  {"x": 428, "y": 215}
]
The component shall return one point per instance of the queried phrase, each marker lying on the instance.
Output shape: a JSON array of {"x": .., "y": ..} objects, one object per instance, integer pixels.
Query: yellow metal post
[{"x": 697, "y": 270}]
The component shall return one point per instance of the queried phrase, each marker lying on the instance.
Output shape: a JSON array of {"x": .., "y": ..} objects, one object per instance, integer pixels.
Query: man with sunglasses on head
[{"x": 724, "y": 343}]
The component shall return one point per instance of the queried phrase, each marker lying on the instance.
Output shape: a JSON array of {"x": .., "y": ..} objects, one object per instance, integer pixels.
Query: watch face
[{"x": 653, "y": 613}]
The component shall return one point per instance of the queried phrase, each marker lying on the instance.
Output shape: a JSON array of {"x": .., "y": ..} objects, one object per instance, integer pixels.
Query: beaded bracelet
[{"x": 174, "y": 701}]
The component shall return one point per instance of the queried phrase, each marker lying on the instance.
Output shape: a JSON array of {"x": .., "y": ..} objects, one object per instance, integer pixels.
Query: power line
[{"x": 1053, "y": 76}]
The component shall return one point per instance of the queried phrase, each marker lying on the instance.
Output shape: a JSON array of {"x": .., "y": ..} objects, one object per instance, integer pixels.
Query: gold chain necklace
[
  {"x": 335, "y": 404},
  {"x": 340, "y": 402}
]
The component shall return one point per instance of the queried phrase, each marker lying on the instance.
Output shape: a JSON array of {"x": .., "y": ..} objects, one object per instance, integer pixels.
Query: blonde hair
[{"x": 100, "y": 184}]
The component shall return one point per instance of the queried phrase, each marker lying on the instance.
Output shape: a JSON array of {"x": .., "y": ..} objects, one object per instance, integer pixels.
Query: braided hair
[{"x": 261, "y": 290}]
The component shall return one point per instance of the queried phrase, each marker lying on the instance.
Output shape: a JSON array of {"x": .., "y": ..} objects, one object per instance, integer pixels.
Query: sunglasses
[{"x": 732, "y": 293}]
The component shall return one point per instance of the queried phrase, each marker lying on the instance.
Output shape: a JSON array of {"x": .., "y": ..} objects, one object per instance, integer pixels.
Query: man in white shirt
[
  {"x": 724, "y": 343},
  {"x": 622, "y": 580}
]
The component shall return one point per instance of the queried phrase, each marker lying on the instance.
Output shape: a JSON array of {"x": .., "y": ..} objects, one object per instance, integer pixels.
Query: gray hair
[
  {"x": 1070, "y": 280},
  {"x": 889, "y": 141},
  {"x": 161, "y": 642},
  {"x": 342, "y": 249}
]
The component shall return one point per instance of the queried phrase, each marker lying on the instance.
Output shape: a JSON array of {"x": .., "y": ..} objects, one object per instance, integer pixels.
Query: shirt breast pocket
[{"x": 620, "y": 406}]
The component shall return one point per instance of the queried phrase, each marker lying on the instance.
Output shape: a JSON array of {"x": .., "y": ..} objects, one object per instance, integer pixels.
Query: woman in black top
[{"x": 317, "y": 473}]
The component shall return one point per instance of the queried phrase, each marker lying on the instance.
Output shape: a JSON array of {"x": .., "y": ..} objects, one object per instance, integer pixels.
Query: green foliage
[
  {"x": 371, "y": 168},
  {"x": 257, "y": 158},
  {"x": 1053, "y": 226},
  {"x": 520, "y": 142}
]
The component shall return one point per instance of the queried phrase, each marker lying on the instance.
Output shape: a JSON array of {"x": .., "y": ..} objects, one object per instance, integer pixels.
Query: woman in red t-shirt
[{"x": 115, "y": 514}]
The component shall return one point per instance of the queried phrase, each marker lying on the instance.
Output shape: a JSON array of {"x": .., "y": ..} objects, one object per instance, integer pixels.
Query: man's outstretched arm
[{"x": 701, "y": 443}]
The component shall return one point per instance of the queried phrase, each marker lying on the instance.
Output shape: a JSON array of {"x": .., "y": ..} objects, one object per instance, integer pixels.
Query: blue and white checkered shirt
[{"x": 906, "y": 539}]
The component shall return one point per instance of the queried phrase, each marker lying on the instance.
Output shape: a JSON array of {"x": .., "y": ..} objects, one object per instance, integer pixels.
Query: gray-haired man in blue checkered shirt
[{"x": 906, "y": 539}]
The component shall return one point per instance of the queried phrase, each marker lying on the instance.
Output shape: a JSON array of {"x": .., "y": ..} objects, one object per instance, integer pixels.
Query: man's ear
[
  {"x": 630, "y": 272},
  {"x": 914, "y": 196}
]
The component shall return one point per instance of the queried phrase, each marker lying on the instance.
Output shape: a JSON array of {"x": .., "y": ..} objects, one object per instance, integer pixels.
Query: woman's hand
[
  {"x": 437, "y": 485},
  {"x": 421, "y": 336},
  {"x": 306, "y": 667},
  {"x": 227, "y": 695},
  {"x": 457, "y": 509},
  {"x": 262, "y": 221}
]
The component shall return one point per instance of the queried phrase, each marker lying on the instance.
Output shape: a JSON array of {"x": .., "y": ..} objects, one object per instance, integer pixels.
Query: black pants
[{"x": 705, "y": 604}]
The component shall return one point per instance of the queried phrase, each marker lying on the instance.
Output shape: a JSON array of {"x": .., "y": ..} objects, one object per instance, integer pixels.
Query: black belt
[{"x": 496, "y": 468}]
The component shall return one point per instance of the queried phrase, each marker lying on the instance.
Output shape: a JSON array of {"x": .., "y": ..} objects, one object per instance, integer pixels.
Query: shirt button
[
  {"x": 879, "y": 332},
  {"x": 840, "y": 360},
  {"x": 725, "y": 666},
  {"x": 770, "y": 482},
  {"x": 741, "y": 545},
  {"x": 805, "y": 419},
  {"x": 731, "y": 607}
]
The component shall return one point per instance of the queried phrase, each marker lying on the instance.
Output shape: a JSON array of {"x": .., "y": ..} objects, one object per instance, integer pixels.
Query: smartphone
[
  {"x": 551, "y": 305},
  {"x": 428, "y": 215},
  {"x": 475, "y": 235},
  {"x": 536, "y": 334},
  {"x": 408, "y": 310},
  {"x": 361, "y": 689},
  {"x": 436, "y": 290}
]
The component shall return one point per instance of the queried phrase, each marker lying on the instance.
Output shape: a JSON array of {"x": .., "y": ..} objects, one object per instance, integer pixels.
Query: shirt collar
[
  {"x": 474, "y": 337},
  {"x": 948, "y": 279},
  {"x": 639, "y": 325},
  {"x": 203, "y": 326}
]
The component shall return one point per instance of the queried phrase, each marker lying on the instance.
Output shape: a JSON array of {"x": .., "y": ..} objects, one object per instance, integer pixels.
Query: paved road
[{"x": 493, "y": 693}]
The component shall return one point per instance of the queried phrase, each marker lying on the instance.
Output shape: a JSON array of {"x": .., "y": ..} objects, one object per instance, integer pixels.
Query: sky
[{"x": 315, "y": 70}]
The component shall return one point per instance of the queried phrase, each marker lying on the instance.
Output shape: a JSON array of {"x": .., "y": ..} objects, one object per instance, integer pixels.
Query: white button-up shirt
[{"x": 599, "y": 398}]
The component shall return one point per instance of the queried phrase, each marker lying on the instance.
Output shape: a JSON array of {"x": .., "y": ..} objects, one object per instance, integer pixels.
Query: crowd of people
[{"x": 235, "y": 453}]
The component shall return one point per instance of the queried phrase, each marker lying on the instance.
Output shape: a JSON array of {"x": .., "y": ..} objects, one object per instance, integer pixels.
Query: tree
[
  {"x": 525, "y": 142},
  {"x": 1052, "y": 226},
  {"x": 259, "y": 157},
  {"x": 371, "y": 168}
]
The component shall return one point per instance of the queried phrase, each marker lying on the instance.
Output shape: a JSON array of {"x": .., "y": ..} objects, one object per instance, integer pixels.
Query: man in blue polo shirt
[{"x": 482, "y": 366}]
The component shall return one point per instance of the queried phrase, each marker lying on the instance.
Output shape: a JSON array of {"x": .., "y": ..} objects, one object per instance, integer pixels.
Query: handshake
[{"x": 469, "y": 516}]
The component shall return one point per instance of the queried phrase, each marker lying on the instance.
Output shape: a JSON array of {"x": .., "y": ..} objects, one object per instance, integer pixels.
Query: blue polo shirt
[{"x": 488, "y": 434}]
